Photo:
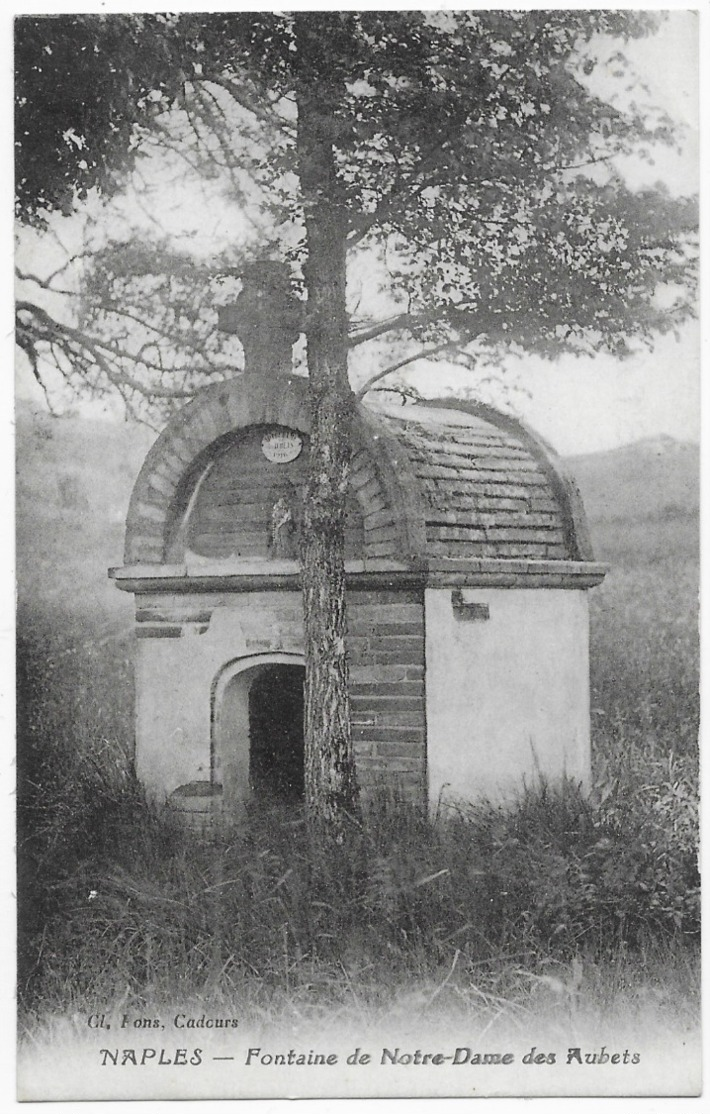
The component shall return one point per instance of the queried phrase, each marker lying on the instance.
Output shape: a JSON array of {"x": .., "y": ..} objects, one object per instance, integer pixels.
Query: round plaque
[{"x": 281, "y": 445}]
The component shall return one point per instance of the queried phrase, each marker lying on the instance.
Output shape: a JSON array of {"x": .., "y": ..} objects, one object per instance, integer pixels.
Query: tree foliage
[
  {"x": 144, "y": 334},
  {"x": 470, "y": 153},
  {"x": 84, "y": 86},
  {"x": 465, "y": 154}
]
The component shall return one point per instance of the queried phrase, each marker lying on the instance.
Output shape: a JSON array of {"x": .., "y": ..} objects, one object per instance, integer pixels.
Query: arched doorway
[
  {"x": 276, "y": 733},
  {"x": 257, "y": 743}
]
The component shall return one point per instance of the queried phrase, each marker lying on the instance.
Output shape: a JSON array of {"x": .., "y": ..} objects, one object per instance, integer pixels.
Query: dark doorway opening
[{"x": 276, "y": 733}]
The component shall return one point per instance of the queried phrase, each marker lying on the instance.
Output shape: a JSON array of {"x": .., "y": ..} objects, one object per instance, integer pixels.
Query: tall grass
[
  {"x": 118, "y": 903},
  {"x": 266, "y": 909}
]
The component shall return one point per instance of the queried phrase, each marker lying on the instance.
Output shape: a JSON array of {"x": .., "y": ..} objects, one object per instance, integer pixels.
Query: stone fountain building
[{"x": 468, "y": 567}]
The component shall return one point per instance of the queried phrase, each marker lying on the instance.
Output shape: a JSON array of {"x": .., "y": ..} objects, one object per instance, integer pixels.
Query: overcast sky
[
  {"x": 582, "y": 406},
  {"x": 585, "y": 405}
]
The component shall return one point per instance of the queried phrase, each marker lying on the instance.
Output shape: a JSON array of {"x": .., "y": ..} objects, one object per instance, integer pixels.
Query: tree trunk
[{"x": 330, "y": 783}]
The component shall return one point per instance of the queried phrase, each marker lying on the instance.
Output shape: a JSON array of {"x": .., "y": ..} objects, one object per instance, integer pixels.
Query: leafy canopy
[{"x": 473, "y": 161}]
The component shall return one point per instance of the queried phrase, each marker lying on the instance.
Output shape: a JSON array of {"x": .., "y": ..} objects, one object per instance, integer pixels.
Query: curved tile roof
[
  {"x": 483, "y": 492},
  {"x": 444, "y": 484}
]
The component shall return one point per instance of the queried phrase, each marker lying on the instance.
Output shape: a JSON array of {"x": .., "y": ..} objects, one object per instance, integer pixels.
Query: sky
[
  {"x": 583, "y": 405},
  {"x": 579, "y": 405}
]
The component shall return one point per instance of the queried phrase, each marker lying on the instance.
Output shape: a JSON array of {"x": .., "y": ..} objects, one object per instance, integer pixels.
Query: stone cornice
[{"x": 243, "y": 576}]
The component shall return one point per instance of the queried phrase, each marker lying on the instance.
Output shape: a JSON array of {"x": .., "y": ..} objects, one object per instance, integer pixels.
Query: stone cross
[{"x": 266, "y": 317}]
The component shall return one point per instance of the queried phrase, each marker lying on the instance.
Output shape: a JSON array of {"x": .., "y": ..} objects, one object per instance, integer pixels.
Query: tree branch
[
  {"x": 424, "y": 354},
  {"x": 384, "y": 209},
  {"x": 266, "y": 115},
  {"x": 431, "y": 159},
  {"x": 400, "y": 321},
  {"x": 76, "y": 345},
  {"x": 46, "y": 283}
]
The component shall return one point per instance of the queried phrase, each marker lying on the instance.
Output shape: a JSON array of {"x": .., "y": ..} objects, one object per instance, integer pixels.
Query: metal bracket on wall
[{"x": 468, "y": 611}]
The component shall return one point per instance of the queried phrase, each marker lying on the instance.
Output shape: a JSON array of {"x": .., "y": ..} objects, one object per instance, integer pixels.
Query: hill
[
  {"x": 73, "y": 483},
  {"x": 74, "y": 480},
  {"x": 642, "y": 500},
  {"x": 654, "y": 478}
]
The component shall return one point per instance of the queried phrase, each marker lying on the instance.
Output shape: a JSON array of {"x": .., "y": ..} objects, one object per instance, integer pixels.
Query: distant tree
[{"x": 465, "y": 151}]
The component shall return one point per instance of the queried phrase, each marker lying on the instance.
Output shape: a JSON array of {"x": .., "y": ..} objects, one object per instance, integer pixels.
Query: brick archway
[{"x": 379, "y": 474}]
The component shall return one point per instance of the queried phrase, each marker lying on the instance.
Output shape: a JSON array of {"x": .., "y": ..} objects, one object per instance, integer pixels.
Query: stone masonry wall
[
  {"x": 185, "y": 640},
  {"x": 386, "y": 647}
]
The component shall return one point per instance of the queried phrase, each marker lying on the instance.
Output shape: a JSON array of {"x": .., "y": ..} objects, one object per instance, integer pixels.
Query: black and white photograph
[{"x": 357, "y": 441}]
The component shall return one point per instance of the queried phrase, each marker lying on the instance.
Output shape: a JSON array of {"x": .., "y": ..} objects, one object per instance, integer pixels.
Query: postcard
[{"x": 357, "y": 504}]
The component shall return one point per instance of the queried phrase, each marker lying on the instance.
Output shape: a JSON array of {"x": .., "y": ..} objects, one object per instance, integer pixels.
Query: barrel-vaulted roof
[{"x": 453, "y": 487}]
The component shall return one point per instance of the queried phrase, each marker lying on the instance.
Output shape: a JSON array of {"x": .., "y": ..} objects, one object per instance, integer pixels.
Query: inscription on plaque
[{"x": 281, "y": 446}]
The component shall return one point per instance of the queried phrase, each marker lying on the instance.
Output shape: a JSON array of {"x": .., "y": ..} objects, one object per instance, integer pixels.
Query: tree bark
[{"x": 330, "y": 782}]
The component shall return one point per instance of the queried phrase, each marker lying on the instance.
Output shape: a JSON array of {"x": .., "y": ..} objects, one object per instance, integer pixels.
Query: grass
[
  {"x": 147, "y": 911},
  {"x": 581, "y": 908}
]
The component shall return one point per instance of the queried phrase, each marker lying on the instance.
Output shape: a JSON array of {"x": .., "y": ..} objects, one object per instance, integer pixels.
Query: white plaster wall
[
  {"x": 507, "y": 697},
  {"x": 175, "y": 676}
]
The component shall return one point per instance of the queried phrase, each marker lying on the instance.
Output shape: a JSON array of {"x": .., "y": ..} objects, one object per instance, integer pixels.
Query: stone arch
[
  {"x": 231, "y": 516},
  {"x": 382, "y": 487},
  {"x": 214, "y": 413},
  {"x": 231, "y": 725}
]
